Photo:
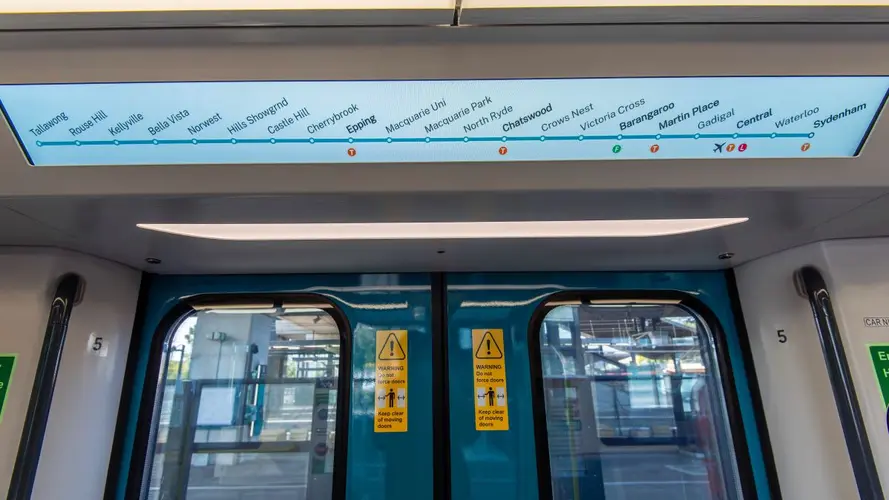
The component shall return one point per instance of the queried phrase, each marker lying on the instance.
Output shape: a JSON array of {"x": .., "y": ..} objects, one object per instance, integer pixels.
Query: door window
[
  {"x": 247, "y": 406},
  {"x": 634, "y": 404}
]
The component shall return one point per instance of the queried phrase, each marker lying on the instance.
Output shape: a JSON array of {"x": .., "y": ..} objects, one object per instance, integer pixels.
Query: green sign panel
[
  {"x": 879, "y": 355},
  {"x": 7, "y": 365}
]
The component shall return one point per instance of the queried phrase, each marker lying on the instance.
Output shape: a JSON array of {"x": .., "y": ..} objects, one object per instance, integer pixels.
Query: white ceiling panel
[
  {"x": 17, "y": 229},
  {"x": 871, "y": 219},
  {"x": 778, "y": 219},
  {"x": 450, "y": 53},
  {"x": 95, "y": 210}
]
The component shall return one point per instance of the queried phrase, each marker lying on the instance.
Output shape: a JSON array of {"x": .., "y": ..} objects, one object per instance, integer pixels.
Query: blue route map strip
[
  {"x": 443, "y": 121},
  {"x": 350, "y": 140}
]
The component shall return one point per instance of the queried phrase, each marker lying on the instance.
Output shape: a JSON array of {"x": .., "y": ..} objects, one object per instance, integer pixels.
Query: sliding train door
[
  {"x": 599, "y": 386},
  {"x": 593, "y": 386},
  {"x": 282, "y": 387}
]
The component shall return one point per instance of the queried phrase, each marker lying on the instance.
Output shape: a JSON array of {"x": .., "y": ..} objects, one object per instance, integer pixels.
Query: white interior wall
[
  {"x": 807, "y": 439},
  {"x": 85, "y": 405},
  {"x": 857, "y": 276},
  {"x": 26, "y": 288}
]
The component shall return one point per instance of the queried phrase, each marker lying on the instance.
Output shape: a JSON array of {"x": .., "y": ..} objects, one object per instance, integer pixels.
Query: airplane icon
[{"x": 718, "y": 147}]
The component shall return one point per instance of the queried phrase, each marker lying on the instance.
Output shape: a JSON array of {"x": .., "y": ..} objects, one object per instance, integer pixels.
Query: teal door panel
[
  {"x": 380, "y": 466},
  {"x": 500, "y": 464},
  {"x": 503, "y": 464}
]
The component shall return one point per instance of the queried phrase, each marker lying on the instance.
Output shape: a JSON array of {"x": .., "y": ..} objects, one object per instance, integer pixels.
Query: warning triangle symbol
[
  {"x": 488, "y": 348},
  {"x": 392, "y": 350}
]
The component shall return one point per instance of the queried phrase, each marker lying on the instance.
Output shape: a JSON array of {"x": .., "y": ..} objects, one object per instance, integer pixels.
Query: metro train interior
[{"x": 601, "y": 250}]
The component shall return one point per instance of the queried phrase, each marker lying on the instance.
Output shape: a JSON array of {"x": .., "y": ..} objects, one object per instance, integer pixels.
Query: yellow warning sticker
[
  {"x": 489, "y": 365},
  {"x": 390, "y": 412}
]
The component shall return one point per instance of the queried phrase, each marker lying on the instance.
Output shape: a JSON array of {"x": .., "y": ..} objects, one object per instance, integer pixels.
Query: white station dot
[
  {"x": 466, "y": 139},
  {"x": 735, "y": 135},
  {"x": 620, "y": 136},
  {"x": 542, "y": 138},
  {"x": 503, "y": 138},
  {"x": 194, "y": 141},
  {"x": 116, "y": 142},
  {"x": 351, "y": 140},
  {"x": 697, "y": 136},
  {"x": 658, "y": 137},
  {"x": 388, "y": 139},
  {"x": 234, "y": 141},
  {"x": 312, "y": 140},
  {"x": 774, "y": 135},
  {"x": 39, "y": 143},
  {"x": 428, "y": 139},
  {"x": 272, "y": 140},
  {"x": 580, "y": 138},
  {"x": 77, "y": 143},
  {"x": 154, "y": 141}
]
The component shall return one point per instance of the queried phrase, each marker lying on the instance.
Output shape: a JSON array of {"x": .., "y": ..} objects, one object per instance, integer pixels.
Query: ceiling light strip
[
  {"x": 574, "y": 4},
  {"x": 543, "y": 12},
  {"x": 444, "y": 230},
  {"x": 97, "y": 6}
]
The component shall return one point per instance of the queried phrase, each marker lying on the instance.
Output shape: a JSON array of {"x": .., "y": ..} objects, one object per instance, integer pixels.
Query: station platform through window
[
  {"x": 247, "y": 407},
  {"x": 634, "y": 404}
]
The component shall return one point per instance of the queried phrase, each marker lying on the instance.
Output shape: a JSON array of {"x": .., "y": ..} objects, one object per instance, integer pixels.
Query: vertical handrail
[
  {"x": 179, "y": 442},
  {"x": 812, "y": 286},
  {"x": 31, "y": 444}
]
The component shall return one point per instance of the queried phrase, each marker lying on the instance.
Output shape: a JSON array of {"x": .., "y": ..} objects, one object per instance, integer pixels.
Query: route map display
[{"x": 443, "y": 120}]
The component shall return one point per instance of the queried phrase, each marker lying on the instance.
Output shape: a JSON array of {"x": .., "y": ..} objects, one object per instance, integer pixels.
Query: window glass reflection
[
  {"x": 634, "y": 407},
  {"x": 248, "y": 407}
]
